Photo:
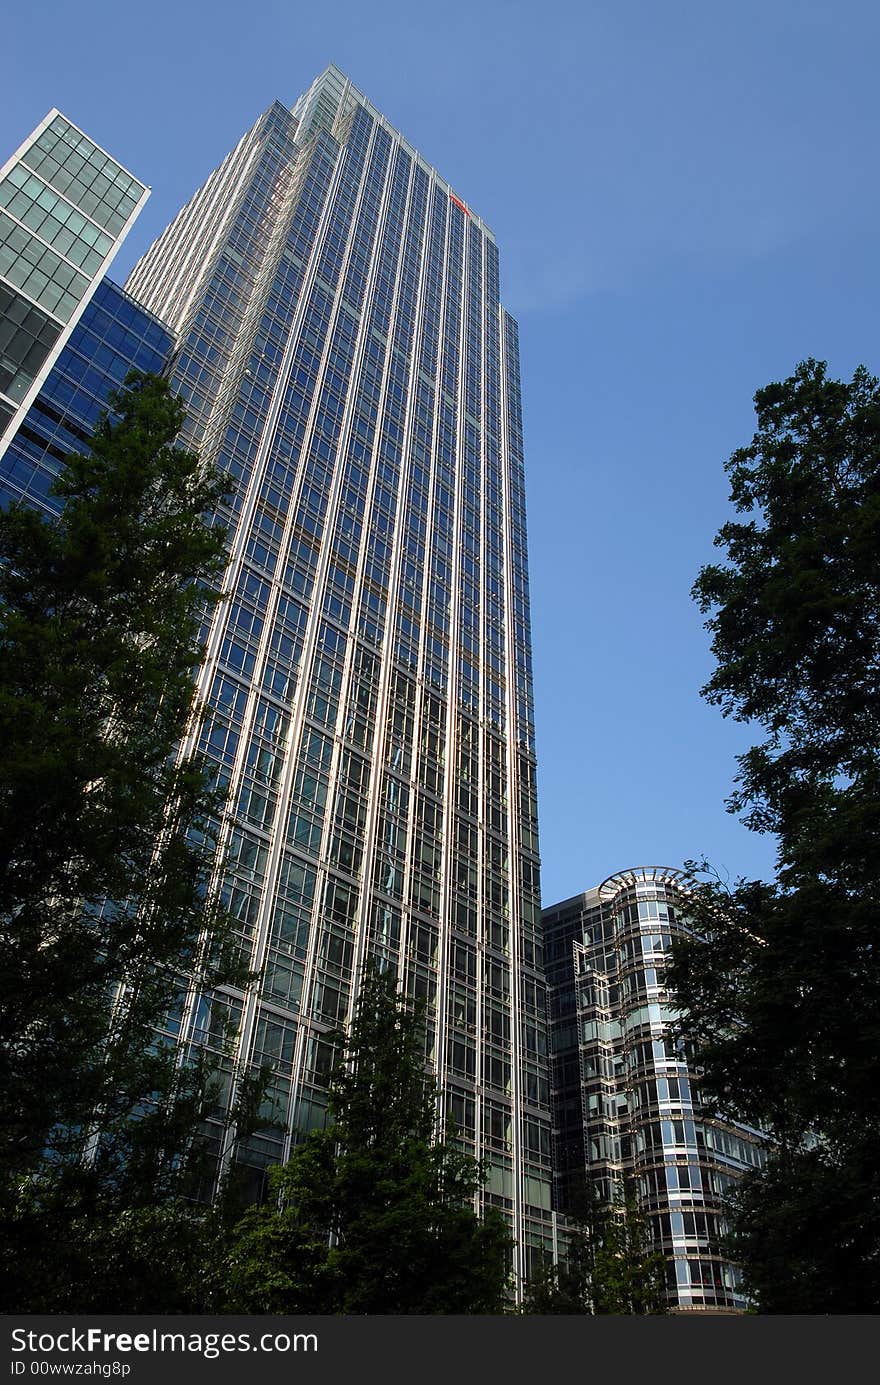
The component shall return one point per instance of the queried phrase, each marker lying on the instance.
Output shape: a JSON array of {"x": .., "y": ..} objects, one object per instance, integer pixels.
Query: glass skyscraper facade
[
  {"x": 113, "y": 336},
  {"x": 344, "y": 355},
  {"x": 626, "y": 1115},
  {"x": 65, "y": 208}
]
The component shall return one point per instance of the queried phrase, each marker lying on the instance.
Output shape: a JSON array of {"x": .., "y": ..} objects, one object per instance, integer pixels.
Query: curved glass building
[{"x": 627, "y": 1117}]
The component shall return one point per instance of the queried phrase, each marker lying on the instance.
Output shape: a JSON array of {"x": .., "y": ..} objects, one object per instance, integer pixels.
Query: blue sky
[{"x": 686, "y": 200}]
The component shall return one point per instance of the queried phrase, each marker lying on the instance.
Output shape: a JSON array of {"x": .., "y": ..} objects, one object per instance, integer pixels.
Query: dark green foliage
[
  {"x": 807, "y": 1229},
  {"x": 566, "y": 1287},
  {"x": 99, "y": 617},
  {"x": 99, "y": 620},
  {"x": 123, "y": 1232},
  {"x": 780, "y": 989},
  {"x": 609, "y": 1267},
  {"x": 796, "y": 611},
  {"x": 374, "y": 1214},
  {"x": 551, "y": 1290},
  {"x": 628, "y": 1275}
]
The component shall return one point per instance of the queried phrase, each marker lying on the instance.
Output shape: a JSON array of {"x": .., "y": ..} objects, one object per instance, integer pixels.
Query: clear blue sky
[{"x": 686, "y": 200}]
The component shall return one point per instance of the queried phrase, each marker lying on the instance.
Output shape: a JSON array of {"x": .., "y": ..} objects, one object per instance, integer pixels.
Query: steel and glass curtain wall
[
  {"x": 344, "y": 355},
  {"x": 65, "y": 208},
  {"x": 113, "y": 336}
]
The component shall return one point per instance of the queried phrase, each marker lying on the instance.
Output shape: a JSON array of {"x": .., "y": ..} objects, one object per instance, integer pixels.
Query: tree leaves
[
  {"x": 608, "y": 1267},
  {"x": 779, "y": 987},
  {"x": 374, "y": 1214},
  {"x": 105, "y": 841},
  {"x": 795, "y": 614}
]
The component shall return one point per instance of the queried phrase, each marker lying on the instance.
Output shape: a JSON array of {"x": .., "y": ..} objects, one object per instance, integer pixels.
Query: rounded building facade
[{"x": 644, "y": 1128}]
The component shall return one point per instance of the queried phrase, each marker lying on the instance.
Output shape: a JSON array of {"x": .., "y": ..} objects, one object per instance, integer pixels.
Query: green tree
[
  {"x": 105, "y": 841},
  {"x": 609, "y": 1267},
  {"x": 551, "y": 1290},
  {"x": 126, "y": 1230},
  {"x": 373, "y": 1214},
  {"x": 628, "y": 1275},
  {"x": 780, "y": 986}
]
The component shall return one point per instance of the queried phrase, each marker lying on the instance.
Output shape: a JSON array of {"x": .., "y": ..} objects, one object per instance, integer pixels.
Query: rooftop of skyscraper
[{"x": 332, "y": 94}]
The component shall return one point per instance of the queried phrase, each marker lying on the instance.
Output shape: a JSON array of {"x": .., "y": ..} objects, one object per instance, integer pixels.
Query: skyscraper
[
  {"x": 343, "y": 353},
  {"x": 113, "y": 336},
  {"x": 626, "y": 1117},
  {"x": 65, "y": 208}
]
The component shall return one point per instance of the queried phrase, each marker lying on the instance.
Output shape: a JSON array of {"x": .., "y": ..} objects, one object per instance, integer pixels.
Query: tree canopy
[
  {"x": 780, "y": 988},
  {"x": 376, "y": 1213},
  {"x": 609, "y": 1266},
  {"x": 106, "y": 851}
]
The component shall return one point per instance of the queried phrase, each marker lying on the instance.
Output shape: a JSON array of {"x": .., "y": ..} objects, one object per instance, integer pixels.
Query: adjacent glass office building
[
  {"x": 625, "y": 1114},
  {"x": 65, "y": 208},
  {"x": 343, "y": 353},
  {"x": 113, "y": 336}
]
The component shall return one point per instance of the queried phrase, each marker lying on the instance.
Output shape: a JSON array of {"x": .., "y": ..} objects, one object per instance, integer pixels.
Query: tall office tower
[
  {"x": 344, "y": 355},
  {"x": 65, "y": 208},
  {"x": 625, "y": 1115}
]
